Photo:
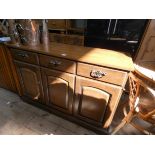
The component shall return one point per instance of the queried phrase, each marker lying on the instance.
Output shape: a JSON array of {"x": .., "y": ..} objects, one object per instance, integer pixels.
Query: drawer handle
[
  {"x": 24, "y": 55},
  {"x": 55, "y": 63},
  {"x": 97, "y": 74}
]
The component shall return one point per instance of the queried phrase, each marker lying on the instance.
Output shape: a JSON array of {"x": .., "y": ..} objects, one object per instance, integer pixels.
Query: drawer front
[
  {"x": 102, "y": 74},
  {"x": 57, "y": 63},
  {"x": 56, "y": 23},
  {"x": 25, "y": 56}
]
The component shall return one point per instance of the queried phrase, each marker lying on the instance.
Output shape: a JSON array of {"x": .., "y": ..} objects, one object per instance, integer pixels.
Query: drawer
[
  {"x": 57, "y": 63},
  {"x": 56, "y": 23},
  {"x": 25, "y": 56},
  {"x": 102, "y": 74}
]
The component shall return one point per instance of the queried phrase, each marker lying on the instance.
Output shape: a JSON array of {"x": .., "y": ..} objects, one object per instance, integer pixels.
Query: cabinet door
[
  {"x": 59, "y": 89},
  {"x": 6, "y": 77},
  {"x": 30, "y": 81},
  {"x": 96, "y": 101}
]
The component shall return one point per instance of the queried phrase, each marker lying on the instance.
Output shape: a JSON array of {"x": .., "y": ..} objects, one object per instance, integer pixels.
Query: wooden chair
[{"x": 140, "y": 108}]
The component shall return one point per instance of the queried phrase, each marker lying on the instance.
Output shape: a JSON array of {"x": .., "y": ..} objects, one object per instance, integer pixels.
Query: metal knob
[
  {"x": 55, "y": 62},
  {"x": 24, "y": 55},
  {"x": 97, "y": 74}
]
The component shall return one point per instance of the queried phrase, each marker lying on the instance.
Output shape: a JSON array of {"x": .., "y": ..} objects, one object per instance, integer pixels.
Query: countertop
[{"x": 97, "y": 56}]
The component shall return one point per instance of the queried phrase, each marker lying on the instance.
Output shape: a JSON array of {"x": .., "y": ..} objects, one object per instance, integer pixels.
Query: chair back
[
  {"x": 134, "y": 86},
  {"x": 138, "y": 90}
]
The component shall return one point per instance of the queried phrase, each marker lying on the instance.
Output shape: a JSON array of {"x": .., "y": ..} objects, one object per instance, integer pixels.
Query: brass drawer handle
[
  {"x": 97, "y": 74},
  {"x": 24, "y": 55},
  {"x": 55, "y": 63}
]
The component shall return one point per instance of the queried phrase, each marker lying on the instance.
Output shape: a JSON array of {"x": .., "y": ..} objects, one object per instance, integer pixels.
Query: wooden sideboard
[{"x": 81, "y": 84}]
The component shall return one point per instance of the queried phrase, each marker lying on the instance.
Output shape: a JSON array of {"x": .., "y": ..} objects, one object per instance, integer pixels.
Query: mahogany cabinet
[
  {"x": 6, "y": 76},
  {"x": 80, "y": 91},
  {"x": 30, "y": 81},
  {"x": 58, "y": 89},
  {"x": 96, "y": 101}
]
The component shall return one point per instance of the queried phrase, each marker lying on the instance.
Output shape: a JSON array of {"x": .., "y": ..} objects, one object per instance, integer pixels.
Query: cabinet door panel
[
  {"x": 59, "y": 88},
  {"x": 96, "y": 102},
  {"x": 56, "y": 85},
  {"x": 31, "y": 87},
  {"x": 30, "y": 80},
  {"x": 93, "y": 103}
]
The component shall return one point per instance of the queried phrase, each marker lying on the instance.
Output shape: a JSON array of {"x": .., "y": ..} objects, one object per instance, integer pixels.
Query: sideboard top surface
[{"x": 96, "y": 56}]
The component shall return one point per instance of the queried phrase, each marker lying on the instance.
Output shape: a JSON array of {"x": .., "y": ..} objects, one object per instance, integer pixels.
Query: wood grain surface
[{"x": 97, "y": 56}]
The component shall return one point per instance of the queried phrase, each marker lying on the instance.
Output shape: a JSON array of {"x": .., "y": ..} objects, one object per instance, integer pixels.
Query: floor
[{"x": 20, "y": 118}]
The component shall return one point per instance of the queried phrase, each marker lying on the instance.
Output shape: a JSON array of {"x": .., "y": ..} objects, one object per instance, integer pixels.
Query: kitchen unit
[{"x": 81, "y": 84}]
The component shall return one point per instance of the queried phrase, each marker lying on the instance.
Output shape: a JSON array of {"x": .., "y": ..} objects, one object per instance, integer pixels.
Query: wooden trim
[
  {"x": 14, "y": 72},
  {"x": 8, "y": 69}
]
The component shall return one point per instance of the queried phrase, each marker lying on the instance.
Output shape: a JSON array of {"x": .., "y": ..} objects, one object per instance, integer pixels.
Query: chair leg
[
  {"x": 125, "y": 120},
  {"x": 119, "y": 127}
]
